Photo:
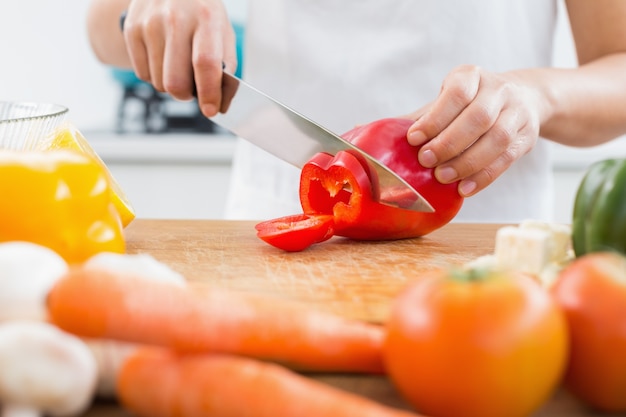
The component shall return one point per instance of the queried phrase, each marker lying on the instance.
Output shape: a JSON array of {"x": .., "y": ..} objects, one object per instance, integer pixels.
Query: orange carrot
[
  {"x": 156, "y": 382},
  {"x": 192, "y": 319}
]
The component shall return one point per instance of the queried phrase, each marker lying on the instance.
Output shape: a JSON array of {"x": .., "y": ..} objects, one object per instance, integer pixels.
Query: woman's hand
[
  {"x": 480, "y": 124},
  {"x": 179, "y": 46}
]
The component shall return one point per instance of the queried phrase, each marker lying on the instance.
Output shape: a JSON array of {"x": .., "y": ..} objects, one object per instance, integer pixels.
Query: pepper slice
[
  {"x": 296, "y": 233},
  {"x": 344, "y": 187},
  {"x": 334, "y": 189},
  {"x": 58, "y": 199}
]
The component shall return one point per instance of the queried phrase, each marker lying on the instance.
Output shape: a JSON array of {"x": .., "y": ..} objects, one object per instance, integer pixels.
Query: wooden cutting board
[{"x": 353, "y": 279}]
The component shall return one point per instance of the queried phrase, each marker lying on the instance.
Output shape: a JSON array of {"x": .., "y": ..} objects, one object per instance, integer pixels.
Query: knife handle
[{"x": 123, "y": 19}]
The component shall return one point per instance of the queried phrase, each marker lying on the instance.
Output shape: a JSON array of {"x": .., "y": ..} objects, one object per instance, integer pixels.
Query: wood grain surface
[{"x": 353, "y": 279}]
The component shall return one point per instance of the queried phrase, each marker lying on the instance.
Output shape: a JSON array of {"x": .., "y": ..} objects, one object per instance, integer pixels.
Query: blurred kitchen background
[{"x": 171, "y": 162}]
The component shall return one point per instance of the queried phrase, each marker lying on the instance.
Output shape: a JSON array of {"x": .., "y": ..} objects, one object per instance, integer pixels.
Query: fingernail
[
  {"x": 416, "y": 137},
  {"x": 427, "y": 158},
  {"x": 446, "y": 174},
  {"x": 209, "y": 110},
  {"x": 467, "y": 187}
]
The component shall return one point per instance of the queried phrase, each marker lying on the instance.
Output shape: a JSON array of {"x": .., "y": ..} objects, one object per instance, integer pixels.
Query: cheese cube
[{"x": 523, "y": 249}]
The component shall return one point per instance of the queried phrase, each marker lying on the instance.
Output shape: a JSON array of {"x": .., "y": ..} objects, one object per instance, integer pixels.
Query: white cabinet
[
  {"x": 169, "y": 176},
  {"x": 570, "y": 165}
]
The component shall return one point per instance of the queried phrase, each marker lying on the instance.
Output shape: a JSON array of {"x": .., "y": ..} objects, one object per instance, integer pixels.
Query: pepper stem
[{"x": 470, "y": 274}]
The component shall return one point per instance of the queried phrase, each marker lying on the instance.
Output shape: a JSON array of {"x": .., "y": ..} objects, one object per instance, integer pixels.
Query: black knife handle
[{"x": 123, "y": 19}]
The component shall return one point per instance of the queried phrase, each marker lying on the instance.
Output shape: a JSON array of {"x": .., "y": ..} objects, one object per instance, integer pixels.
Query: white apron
[{"x": 348, "y": 62}]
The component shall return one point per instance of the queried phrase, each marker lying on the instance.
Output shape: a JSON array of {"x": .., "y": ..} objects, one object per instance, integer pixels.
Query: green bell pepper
[{"x": 599, "y": 218}]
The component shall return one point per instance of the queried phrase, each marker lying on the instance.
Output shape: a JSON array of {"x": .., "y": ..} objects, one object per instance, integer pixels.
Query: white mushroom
[
  {"x": 143, "y": 265},
  {"x": 44, "y": 370},
  {"x": 110, "y": 356},
  {"x": 27, "y": 272}
]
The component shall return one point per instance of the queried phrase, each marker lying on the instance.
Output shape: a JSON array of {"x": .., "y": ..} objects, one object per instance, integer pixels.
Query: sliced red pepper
[
  {"x": 386, "y": 141},
  {"x": 336, "y": 185},
  {"x": 344, "y": 188},
  {"x": 296, "y": 233}
]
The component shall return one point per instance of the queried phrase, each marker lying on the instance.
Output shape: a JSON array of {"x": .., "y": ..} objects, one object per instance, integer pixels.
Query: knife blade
[{"x": 258, "y": 118}]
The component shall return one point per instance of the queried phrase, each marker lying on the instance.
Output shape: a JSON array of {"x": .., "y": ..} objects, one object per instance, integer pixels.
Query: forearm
[
  {"x": 585, "y": 106},
  {"x": 104, "y": 32}
]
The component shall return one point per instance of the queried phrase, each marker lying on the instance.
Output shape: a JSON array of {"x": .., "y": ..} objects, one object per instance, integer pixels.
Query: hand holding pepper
[
  {"x": 478, "y": 126},
  {"x": 482, "y": 122}
]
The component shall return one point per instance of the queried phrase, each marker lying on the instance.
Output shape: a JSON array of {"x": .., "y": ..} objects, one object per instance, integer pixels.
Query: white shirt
[{"x": 348, "y": 62}]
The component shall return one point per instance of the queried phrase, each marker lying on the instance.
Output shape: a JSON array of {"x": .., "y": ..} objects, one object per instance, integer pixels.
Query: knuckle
[
  {"x": 133, "y": 25},
  {"x": 467, "y": 69},
  {"x": 461, "y": 83},
  {"x": 507, "y": 157},
  {"x": 482, "y": 116},
  {"x": 508, "y": 89},
  {"x": 132, "y": 31},
  {"x": 459, "y": 93},
  {"x": 177, "y": 87},
  {"x": 444, "y": 148},
  {"x": 501, "y": 136},
  {"x": 204, "y": 61},
  {"x": 469, "y": 166},
  {"x": 204, "y": 13},
  {"x": 173, "y": 18},
  {"x": 153, "y": 25},
  {"x": 489, "y": 175}
]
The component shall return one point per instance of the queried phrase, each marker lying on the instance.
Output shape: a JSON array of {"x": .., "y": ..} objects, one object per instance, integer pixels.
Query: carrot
[
  {"x": 97, "y": 303},
  {"x": 155, "y": 382}
]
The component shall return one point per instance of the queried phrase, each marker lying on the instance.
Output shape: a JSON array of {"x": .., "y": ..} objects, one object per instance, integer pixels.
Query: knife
[{"x": 258, "y": 118}]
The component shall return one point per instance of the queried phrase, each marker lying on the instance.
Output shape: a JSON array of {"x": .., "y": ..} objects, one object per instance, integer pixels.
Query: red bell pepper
[
  {"x": 343, "y": 193},
  {"x": 297, "y": 232}
]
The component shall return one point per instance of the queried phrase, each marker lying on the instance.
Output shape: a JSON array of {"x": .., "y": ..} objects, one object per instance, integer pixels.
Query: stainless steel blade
[{"x": 281, "y": 131}]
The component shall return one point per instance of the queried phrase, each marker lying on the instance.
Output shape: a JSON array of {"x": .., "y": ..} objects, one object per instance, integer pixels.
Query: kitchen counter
[
  {"x": 174, "y": 176},
  {"x": 353, "y": 279},
  {"x": 192, "y": 148},
  {"x": 186, "y": 175},
  {"x": 219, "y": 147}
]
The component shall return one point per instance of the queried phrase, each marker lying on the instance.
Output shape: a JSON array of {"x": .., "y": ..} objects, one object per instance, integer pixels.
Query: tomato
[
  {"x": 475, "y": 343},
  {"x": 297, "y": 232},
  {"x": 592, "y": 292}
]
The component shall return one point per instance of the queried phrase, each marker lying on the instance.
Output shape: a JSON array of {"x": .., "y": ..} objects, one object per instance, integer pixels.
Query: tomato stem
[{"x": 469, "y": 275}]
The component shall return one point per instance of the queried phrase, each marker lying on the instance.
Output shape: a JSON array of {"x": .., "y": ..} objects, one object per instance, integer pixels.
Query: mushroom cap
[
  {"x": 45, "y": 368},
  {"x": 139, "y": 264},
  {"x": 110, "y": 356},
  {"x": 27, "y": 273}
]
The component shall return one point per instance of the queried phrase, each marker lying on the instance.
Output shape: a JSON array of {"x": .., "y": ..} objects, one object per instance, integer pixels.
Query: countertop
[
  {"x": 210, "y": 148},
  {"x": 353, "y": 279},
  {"x": 219, "y": 147}
]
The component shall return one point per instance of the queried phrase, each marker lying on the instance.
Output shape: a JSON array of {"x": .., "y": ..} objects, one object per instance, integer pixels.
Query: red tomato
[
  {"x": 592, "y": 293},
  {"x": 475, "y": 344},
  {"x": 297, "y": 232}
]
